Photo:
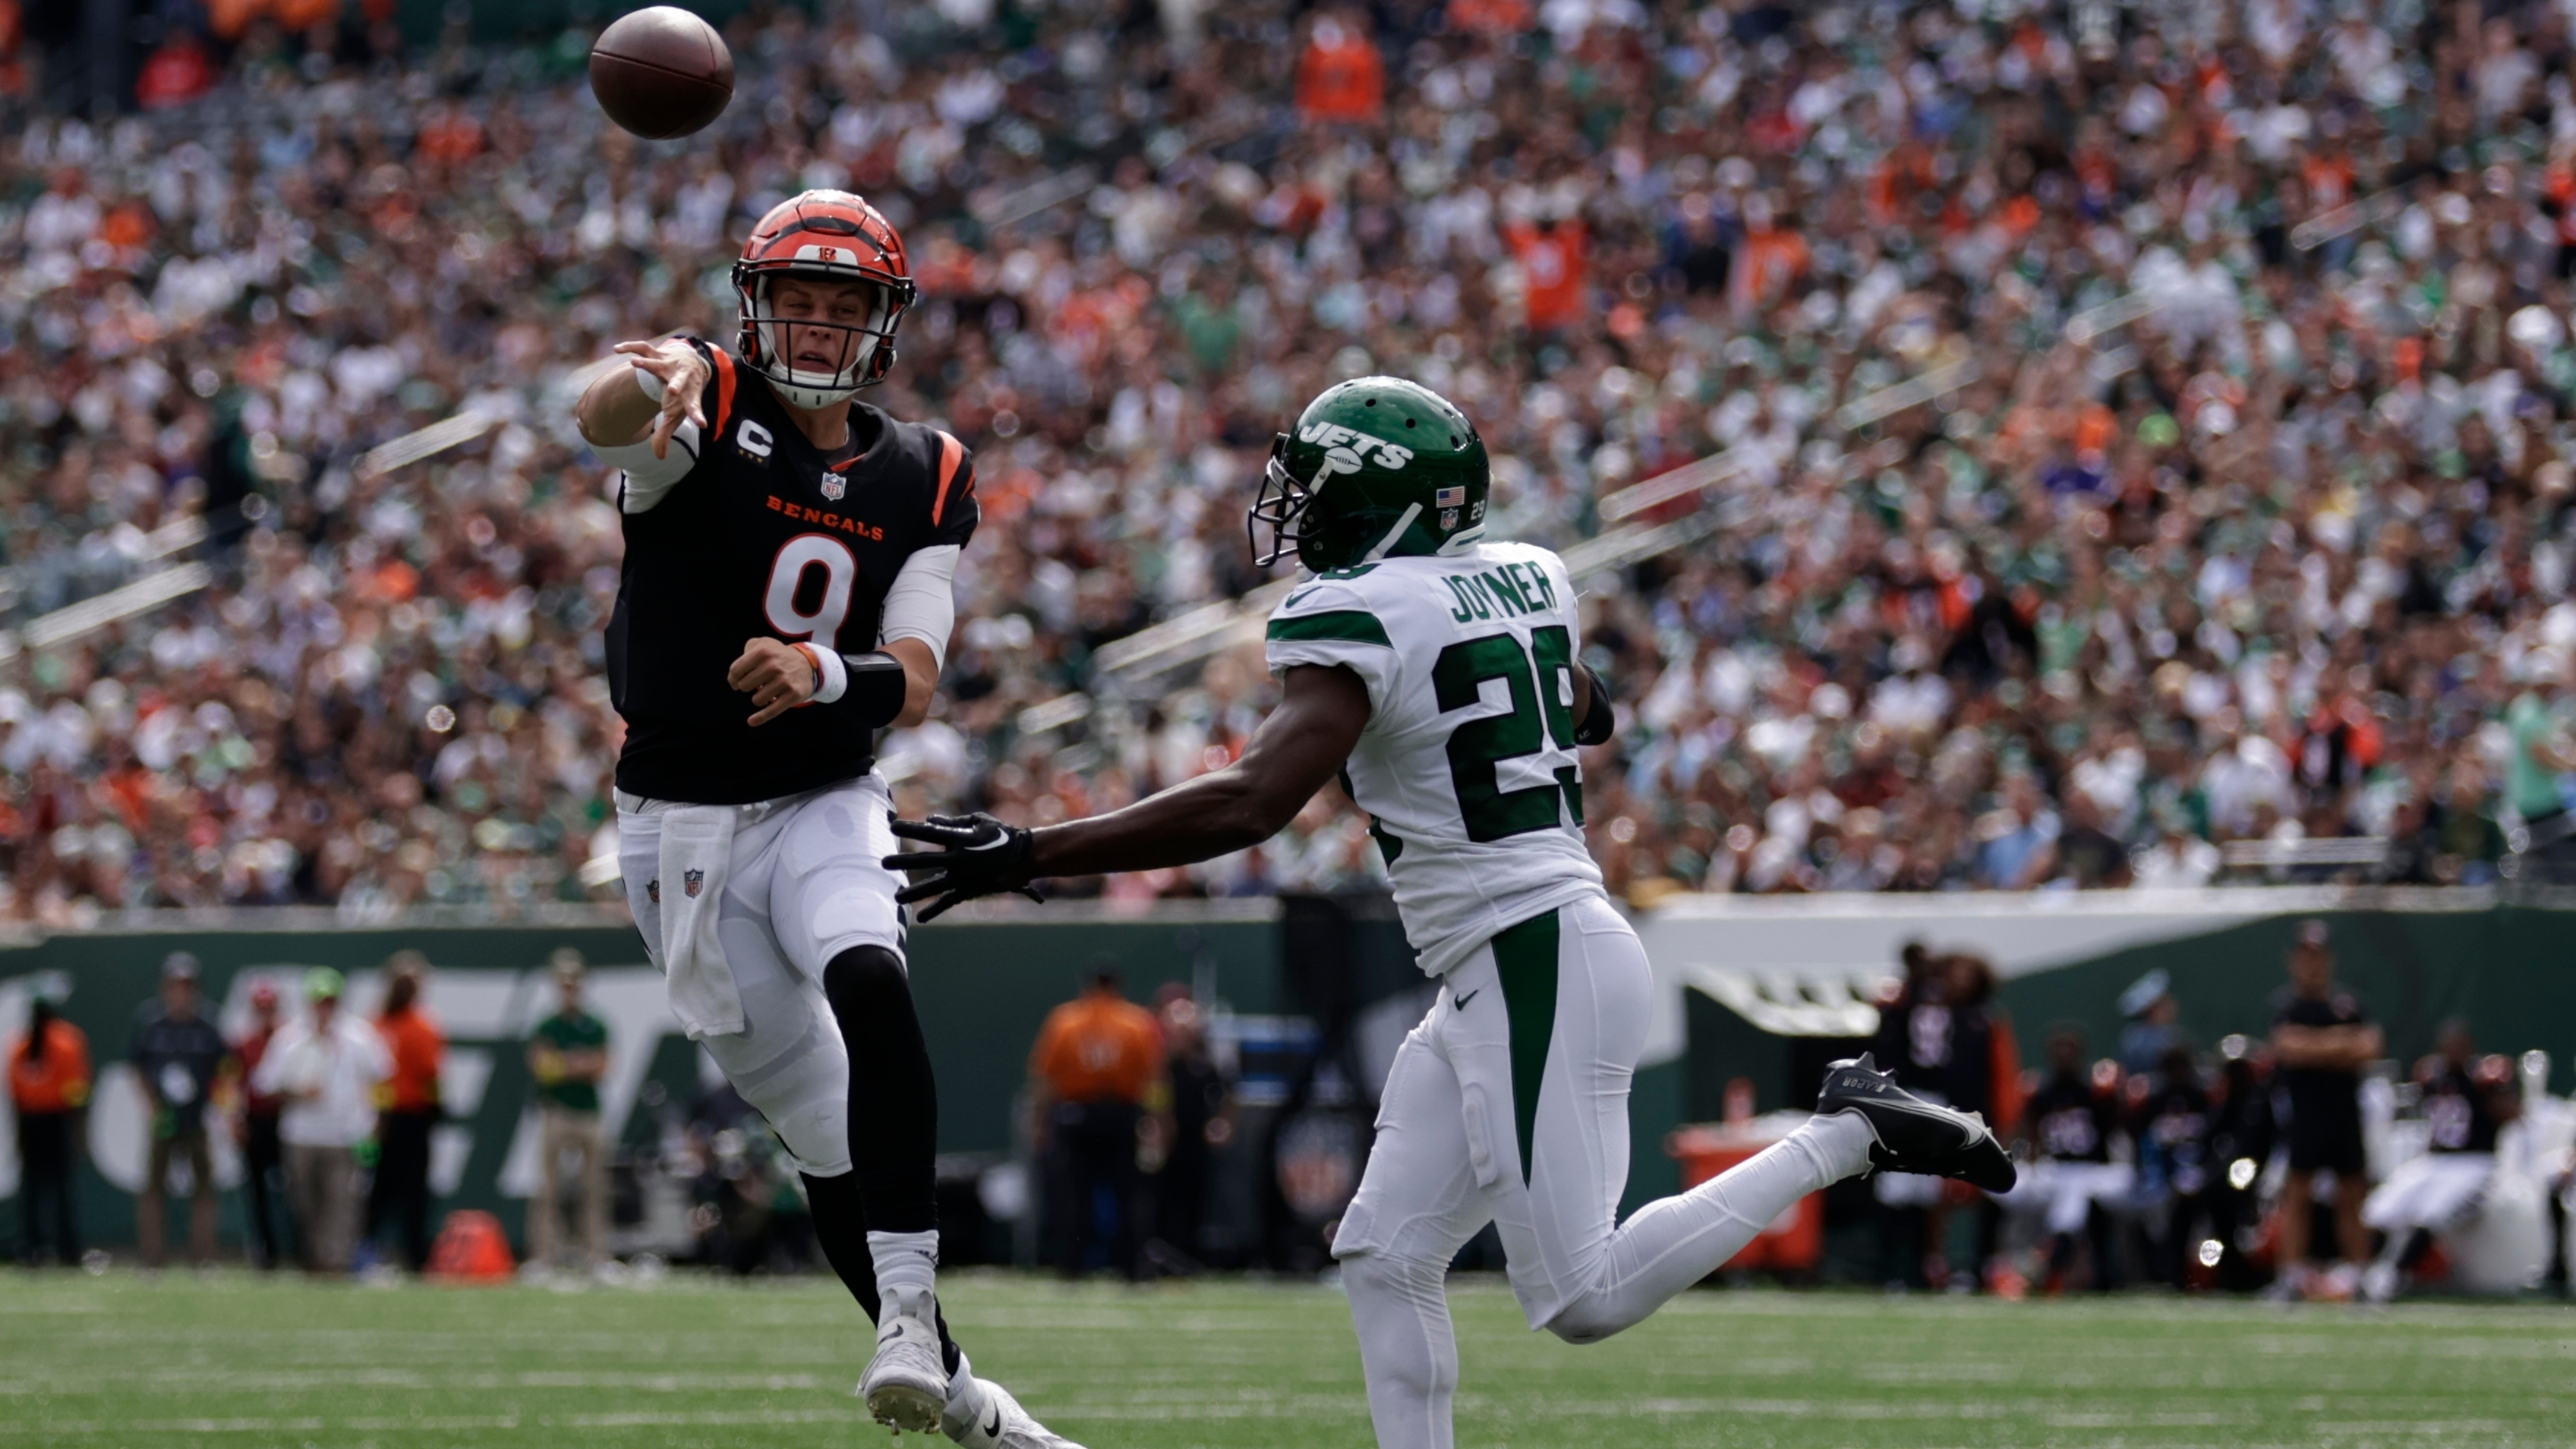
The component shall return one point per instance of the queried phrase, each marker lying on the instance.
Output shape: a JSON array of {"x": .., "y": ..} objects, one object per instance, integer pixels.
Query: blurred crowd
[{"x": 2139, "y": 427}]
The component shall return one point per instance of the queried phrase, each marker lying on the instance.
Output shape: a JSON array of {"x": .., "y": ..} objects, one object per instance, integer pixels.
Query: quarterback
[
  {"x": 1439, "y": 676},
  {"x": 785, "y": 595}
]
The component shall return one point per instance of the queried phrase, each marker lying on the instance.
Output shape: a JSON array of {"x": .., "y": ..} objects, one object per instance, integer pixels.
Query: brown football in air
[{"x": 661, "y": 72}]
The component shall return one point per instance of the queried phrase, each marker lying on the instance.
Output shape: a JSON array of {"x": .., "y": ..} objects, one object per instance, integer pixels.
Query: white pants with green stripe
[{"x": 1509, "y": 1105}]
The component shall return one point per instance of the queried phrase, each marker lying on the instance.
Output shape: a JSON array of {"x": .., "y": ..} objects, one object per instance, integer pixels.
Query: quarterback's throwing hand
[
  {"x": 682, "y": 374},
  {"x": 979, "y": 856}
]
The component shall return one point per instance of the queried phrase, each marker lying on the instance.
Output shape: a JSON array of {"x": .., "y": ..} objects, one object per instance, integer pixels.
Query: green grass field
[{"x": 229, "y": 1360}]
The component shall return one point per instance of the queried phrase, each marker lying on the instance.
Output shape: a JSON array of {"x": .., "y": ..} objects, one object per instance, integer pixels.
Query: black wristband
[
  {"x": 876, "y": 689},
  {"x": 1600, "y": 719}
]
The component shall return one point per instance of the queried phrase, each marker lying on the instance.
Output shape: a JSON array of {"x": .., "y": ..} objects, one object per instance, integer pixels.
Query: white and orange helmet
[{"x": 828, "y": 236}]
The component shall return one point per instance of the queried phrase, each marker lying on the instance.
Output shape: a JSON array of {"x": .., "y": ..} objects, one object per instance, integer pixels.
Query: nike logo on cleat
[
  {"x": 1461, "y": 1003},
  {"x": 993, "y": 1430}
]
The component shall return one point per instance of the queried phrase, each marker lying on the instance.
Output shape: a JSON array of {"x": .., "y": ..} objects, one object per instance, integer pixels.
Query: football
[{"x": 661, "y": 72}]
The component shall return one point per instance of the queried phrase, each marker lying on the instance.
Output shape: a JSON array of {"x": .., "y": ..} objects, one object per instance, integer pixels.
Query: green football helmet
[{"x": 1378, "y": 467}]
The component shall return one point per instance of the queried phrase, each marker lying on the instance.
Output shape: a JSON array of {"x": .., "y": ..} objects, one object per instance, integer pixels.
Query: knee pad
[
  {"x": 864, "y": 978},
  {"x": 804, "y": 1092},
  {"x": 1400, "y": 1308}
]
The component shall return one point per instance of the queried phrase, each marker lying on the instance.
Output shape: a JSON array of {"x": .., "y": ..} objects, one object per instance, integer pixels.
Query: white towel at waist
[{"x": 697, "y": 856}]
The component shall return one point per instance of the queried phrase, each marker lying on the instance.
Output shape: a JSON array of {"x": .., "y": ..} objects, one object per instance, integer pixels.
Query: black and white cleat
[
  {"x": 987, "y": 1417},
  {"x": 1915, "y": 1135}
]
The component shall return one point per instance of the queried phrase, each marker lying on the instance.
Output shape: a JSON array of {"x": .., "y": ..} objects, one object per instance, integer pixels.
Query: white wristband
[
  {"x": 831, "y": 676},
  {"x": 649, "y": 385}
]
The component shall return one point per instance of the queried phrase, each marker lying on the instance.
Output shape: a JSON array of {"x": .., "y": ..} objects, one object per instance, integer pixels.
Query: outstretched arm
[
  {"x": 1300, "y": 746},
  {"x": 1295, "y": 751}
]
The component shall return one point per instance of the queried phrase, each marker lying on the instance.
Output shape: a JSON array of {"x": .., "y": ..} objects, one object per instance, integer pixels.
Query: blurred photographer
[
  {"x": 49, "y": 1084},
  {"x": 1097, "y": 1062},
  {"x": 177, "y": 1054},
  {"x": 263, "y": 1153},
  {"x": 325, "y": 1069},
  {"x": 416, "y": 1050}
]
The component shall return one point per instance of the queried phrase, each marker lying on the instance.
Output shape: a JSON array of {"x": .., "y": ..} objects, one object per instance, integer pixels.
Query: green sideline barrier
[
  {"x": 2505, "y": 969},
  {"x": 983, "y": 987}
]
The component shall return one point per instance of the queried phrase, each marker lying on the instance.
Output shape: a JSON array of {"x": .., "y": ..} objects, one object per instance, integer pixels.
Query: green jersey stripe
[{"x": 1350, "y": 626}]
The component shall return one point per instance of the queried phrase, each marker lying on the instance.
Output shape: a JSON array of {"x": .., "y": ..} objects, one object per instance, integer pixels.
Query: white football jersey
[{"x": 1468, "y": 763}]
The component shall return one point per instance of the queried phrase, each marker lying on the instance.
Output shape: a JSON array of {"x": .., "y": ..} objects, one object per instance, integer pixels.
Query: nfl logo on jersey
[
  {"x": 693, "y": 881},
  {"x": 834, "y": 485}
]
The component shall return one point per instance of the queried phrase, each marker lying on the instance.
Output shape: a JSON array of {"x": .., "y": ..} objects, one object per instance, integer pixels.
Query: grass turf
[{"x": 234, "y": 1361}]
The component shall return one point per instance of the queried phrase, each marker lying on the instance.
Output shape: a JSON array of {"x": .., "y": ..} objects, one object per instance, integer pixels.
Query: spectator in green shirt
[
  {"x": 2541, "y": 754},
  {"x": 1211, "y": 328},
  {"x": 568, "y": 1057}
]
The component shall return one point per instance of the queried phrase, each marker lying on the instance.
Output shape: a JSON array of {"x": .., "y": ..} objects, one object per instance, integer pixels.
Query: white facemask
[{"x": 810, "y": 387}]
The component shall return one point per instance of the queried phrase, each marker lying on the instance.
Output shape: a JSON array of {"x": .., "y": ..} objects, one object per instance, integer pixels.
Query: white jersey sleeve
[
  {"x": 1332, "y": 622},
  {"x": 1468, "y": 764}
]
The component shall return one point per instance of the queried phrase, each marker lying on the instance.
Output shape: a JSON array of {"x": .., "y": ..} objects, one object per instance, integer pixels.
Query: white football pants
[
  {"x": 2436, "y": 1191},
  {"x": 2062, "y": 1194},
  {"x": 806, "y": 883},
  {"x": 1509, "y": 1105}
]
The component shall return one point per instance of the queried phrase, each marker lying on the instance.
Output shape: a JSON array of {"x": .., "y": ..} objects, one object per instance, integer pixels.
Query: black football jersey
[
  {"x": 764, "y": 535},
  {"x": 2071, "y": 1122},
  {"x": 1937, "y": 1049},
  {"x": 2173, "y": 1130},
  {"x": 1916, "y": 1042},
  {"x": 2243, "y": 1126},
  {"x": 2460, "y": 1110}
]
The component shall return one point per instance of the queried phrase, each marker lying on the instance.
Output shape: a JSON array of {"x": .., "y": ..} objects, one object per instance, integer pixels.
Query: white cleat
[
  {"x": 987, "y": 1417},
  {"x": 905, "y": 1387}
]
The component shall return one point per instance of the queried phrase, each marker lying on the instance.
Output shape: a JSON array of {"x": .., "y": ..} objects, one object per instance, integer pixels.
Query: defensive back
[{"x": 1468, "y": 765}]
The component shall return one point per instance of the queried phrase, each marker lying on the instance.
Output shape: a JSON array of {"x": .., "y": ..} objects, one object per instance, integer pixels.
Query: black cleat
[{"x": 1915, "y": 1135}]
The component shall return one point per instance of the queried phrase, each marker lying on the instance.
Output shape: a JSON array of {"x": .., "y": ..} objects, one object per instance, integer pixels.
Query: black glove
[
  {"x": 1599, "y": 719},
  {"x": 979, "y": 856}
]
